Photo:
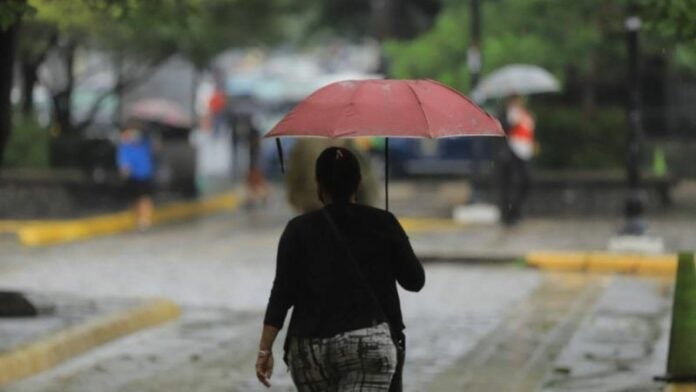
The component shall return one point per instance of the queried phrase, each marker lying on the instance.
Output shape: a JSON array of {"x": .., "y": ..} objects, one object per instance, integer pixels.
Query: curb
[
  {"x": 13, "y": 226},
  {"x": 605, "y": 262},
  {"x": 32, "y": 358},
  {"x": 681, "y": 388},
  {"x": 467, "y": 258},
  {"x": 40, "y": 233},
  {"x": 417, "y": 225}
]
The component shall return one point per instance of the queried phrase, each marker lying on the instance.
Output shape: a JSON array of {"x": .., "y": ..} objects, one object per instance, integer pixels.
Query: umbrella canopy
[
  {"x": 515, "y": 79},
  {"x": 161, "y": 111},
  {"x": 387, "y": 108}
]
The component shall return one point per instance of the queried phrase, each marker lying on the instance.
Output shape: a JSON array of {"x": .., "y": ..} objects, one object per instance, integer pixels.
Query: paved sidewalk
[
  {"x": 574, "y": 233},
  {"x": 56, "y": 312},
  {"x": 68, "y": 325},
  {"x": 621, "y": 344},
  {"x": 482, "y": 242}
]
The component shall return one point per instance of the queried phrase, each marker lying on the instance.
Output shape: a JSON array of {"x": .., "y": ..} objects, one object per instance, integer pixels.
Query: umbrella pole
[{"x": 386, "y": 173}]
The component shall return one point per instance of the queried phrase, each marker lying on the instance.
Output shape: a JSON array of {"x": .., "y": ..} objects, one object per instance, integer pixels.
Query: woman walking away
[{"x": 338, "y": 268}]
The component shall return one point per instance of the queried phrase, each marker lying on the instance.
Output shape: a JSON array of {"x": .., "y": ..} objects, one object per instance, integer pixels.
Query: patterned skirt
[{"x": 360, "y": 360}]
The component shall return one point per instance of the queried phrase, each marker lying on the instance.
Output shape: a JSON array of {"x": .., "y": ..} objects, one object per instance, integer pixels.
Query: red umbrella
[{"x": 386, "y": 108}]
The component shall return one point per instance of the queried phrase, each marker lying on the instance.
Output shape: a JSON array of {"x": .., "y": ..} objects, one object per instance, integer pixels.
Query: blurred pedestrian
[
  {"x": 515, "y": 156},
  {"x": 213, "y": 158},
  {"x": 338, "y": 268},
  {"x": 257, "y": 187},
  {"x": 300, "y": 181},
  {"x": 217, "y": 109},
  {"x": 136, "y": 164}
]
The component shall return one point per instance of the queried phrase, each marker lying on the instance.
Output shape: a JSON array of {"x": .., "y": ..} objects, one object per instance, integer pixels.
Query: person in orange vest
[
  {"x": 216, "y": 108},
  {"x": 514, "y": 159}
]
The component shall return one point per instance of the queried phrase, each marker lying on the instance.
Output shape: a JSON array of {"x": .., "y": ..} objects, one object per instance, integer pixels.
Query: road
[{"x": 220, "y": 270}]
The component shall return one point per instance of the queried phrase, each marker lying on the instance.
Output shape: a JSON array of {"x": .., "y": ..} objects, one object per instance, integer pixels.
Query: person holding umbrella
[
  {"x": 338, "y": 268},
  {"x": 514, "y": 159},
  {"x": 510, "y": 82}
]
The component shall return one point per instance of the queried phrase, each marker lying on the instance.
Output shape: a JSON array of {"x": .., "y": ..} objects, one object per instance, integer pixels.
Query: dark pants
[{"x": 514, "y": 186}]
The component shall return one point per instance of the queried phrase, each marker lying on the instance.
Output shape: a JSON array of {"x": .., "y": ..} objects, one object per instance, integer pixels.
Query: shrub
[
  {"x": 571, "y": 139},
  {"x": 28, "y": 144}
]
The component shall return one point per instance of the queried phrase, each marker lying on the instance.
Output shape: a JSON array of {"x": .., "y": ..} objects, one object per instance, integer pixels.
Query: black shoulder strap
[{"x": 351, "y": 260}]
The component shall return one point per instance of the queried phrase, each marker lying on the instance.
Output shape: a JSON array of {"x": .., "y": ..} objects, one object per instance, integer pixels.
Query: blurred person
[
  {"x": 217, "y": 109},
  {"x": 213, "y": 157},
  {"x": 135, "y": 162},
  {"x": 338, "y": 268},
  {"x": 299, "y": 178},
  {"x": 257, "y": 187},
  {"x": 515, "y": 156}
]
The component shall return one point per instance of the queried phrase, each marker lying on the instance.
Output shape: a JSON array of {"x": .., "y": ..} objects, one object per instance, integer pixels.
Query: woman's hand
[
  {"x": 264, "y": 359},
  {"x": 264, "y": 367}
]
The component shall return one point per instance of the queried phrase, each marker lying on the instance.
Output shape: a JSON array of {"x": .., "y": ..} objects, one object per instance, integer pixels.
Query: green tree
[
  {"x": 11, "y": 13},
  {"x": 549, "y": 33},
  {"x": 138, "y": 36},
  {"x": 673, "y": 22},
  {"x": 673, "y": 18}
]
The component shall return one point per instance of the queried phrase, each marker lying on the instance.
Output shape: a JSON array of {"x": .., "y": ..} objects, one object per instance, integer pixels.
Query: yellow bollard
[{"x": 681, "y": 361}]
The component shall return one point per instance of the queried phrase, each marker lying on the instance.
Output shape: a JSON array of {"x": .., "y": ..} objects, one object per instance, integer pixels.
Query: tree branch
[{"x": 123, "y": 85}]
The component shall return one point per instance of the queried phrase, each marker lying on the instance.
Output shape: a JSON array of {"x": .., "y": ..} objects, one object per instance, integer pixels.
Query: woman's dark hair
[{"x": 338, "y": 173}]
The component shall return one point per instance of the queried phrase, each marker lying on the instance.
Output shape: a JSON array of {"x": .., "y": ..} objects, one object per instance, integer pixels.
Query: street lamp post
[
  {"x": 474, "y": 51},
  {"x": 633, "y": 208},
  {"x": 473, "y": 57}
]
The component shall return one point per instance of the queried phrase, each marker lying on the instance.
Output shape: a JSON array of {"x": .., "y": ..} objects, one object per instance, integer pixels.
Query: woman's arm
[
  {"x": 281, "y": 299},
  {"x": 408, "y": 269},
  {"x": 264, "y": 359},
  {"x": 283, "y": 291}
]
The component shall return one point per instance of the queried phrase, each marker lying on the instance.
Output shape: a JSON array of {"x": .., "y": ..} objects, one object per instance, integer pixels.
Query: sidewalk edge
[
  {"x": 32, "y": 358},
  {"x": 41, "y": 233},
  {"x": 605, "y": 262}
]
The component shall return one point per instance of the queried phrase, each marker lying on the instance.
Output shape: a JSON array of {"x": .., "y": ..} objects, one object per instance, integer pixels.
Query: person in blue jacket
[{"x": 136, "y": 164}]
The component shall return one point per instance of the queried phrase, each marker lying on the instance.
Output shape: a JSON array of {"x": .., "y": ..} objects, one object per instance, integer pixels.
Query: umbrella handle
[
  {"x": 386, "y": 173},
  {"x": 280, "y": 155}
]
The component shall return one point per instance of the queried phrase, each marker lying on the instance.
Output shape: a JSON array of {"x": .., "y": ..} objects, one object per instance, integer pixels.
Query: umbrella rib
[
  {"x": 420, "y": 106},
  {"x": 350, "y": 103}
]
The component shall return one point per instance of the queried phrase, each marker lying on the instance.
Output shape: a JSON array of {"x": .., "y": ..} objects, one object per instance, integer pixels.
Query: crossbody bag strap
[{"x": 351, "y": 260}]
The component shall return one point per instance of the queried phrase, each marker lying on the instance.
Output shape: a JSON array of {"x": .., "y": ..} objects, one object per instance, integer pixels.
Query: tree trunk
[
  {"x": 62, "y": 107},
  {"x": 29, "y": 78},
  {"x": 8, "y": 40},
  {"x": 61, "y": 112},
  {"x": 589, "y": 96}
]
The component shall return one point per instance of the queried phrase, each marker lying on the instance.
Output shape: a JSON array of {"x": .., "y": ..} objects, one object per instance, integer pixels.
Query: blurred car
[{"x": 443, "y": 157}]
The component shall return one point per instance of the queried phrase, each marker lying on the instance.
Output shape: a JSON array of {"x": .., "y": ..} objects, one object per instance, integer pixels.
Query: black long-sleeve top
[{"x": 315, "y": 277}]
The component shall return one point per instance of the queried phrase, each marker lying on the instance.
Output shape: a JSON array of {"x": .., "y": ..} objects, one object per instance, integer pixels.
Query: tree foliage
[
  {"x": 549, "y": 33},
  {"x": 357, "y": 19},
  {"x": 11, "y": 11},
  {"x": 673, "y": 18}
]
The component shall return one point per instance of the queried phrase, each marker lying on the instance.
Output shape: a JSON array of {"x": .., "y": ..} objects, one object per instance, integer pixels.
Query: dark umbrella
[{"x": 386, "y": 108}]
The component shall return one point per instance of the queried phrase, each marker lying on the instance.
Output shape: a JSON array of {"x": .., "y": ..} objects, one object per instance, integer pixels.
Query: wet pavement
[
  {"x": 621, "y": 344},
  {"x": 56, "y": 312},
  {"x": 474, "y": 326},
  {"x": 213, "y": 349}
]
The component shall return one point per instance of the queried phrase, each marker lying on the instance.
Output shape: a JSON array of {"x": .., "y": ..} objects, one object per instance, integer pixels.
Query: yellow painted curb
[
  {"x": 38, "y": 233},
  {"x": 13, "y": 226},
  {"x": 605, "y": 262},
  {"x": 32, "y": 358},
  {"x": 413, "y": 225},
  {"x": 681, "y": 388}
]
